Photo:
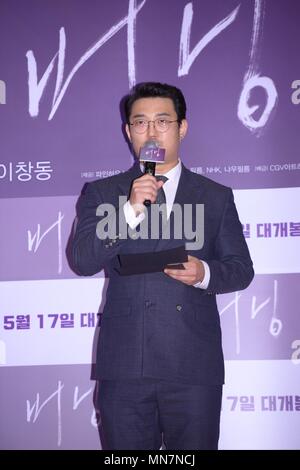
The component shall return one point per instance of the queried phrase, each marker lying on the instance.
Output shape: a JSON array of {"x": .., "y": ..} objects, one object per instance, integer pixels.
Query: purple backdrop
[{"x": 65, "y": 65}]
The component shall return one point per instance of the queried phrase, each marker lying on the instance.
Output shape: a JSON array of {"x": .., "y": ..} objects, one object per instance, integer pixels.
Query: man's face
[{"x": 151, "y": 109}]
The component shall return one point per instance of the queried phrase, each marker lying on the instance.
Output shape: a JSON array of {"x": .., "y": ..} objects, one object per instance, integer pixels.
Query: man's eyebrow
[{"x": 140, "y": 115}]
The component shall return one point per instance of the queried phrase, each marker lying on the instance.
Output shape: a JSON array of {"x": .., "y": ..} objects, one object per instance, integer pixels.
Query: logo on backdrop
[
  {"x": 2, "y": 92},
  {"x": 296, "y": 353},
  {"x": 252, "y": 77},
  {"x": 295, "y": 97}
]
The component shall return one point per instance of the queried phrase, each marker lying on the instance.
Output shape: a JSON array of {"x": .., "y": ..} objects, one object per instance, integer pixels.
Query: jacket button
[{"x": 178, "y": 308}]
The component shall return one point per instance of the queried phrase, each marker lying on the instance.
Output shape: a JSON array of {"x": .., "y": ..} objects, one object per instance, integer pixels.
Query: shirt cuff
[
  {"x": 205, "y": 281},
  {"x": 131, "y": 219}
]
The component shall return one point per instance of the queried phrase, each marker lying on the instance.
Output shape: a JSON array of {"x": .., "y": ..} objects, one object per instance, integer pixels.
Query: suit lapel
[{"x": 188, "y": 192}]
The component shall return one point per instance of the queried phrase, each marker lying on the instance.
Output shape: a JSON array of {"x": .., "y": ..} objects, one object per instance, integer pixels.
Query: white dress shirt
[{"x": 170, "y": 189}]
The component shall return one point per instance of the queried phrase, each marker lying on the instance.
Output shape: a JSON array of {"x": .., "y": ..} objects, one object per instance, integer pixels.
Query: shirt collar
[{"x": 174, "y": 173}]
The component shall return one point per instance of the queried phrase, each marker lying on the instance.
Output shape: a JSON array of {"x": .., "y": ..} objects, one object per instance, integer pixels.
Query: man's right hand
[{"x": 145, "y": 187}]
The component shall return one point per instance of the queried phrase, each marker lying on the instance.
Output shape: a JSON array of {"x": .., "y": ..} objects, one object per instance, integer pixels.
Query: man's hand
[
  {"x": 145, "y": 187},
  {"x": 193, "y": 272}
]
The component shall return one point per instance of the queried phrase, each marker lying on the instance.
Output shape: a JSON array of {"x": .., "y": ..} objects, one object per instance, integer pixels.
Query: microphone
[{"x": 151, "y": 154}]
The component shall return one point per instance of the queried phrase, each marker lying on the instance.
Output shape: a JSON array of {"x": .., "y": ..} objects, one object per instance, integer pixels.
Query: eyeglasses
[{"x": 141, "y": 125}]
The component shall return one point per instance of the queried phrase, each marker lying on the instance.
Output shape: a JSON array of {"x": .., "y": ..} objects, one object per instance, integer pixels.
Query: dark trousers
[{"x": 144, "y": 413}]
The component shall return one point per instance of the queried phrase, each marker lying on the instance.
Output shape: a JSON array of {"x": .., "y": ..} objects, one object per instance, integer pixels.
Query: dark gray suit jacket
[{"x": 152, "y": 325}]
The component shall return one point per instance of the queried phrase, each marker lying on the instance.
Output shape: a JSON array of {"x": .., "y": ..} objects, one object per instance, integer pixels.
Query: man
[{"x": 159, "y": 358}]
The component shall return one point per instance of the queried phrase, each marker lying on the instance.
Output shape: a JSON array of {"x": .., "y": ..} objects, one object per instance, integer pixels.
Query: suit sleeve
[
  {"x": 91, "y": 250},
  {"x": 232, "y": 268}
]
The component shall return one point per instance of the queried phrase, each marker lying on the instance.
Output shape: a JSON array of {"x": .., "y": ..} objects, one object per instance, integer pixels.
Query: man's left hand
[{"x": 193, "y": 272}]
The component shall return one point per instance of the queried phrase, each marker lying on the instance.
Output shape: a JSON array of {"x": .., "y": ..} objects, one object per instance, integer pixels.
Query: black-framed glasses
[{"x": 161, "y": 125}]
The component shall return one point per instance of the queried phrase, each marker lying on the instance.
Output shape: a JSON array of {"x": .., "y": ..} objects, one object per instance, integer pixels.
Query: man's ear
[
  {"x": 183, "y": 129},
  {"x": 128, "y": 132}
]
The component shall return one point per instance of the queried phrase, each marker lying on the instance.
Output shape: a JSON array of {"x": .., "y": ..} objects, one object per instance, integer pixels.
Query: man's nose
[{"x": 151, "y": 129}]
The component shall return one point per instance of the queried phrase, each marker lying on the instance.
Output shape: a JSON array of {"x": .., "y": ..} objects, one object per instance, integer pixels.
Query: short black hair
[{"x": 154, "y": 90}]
